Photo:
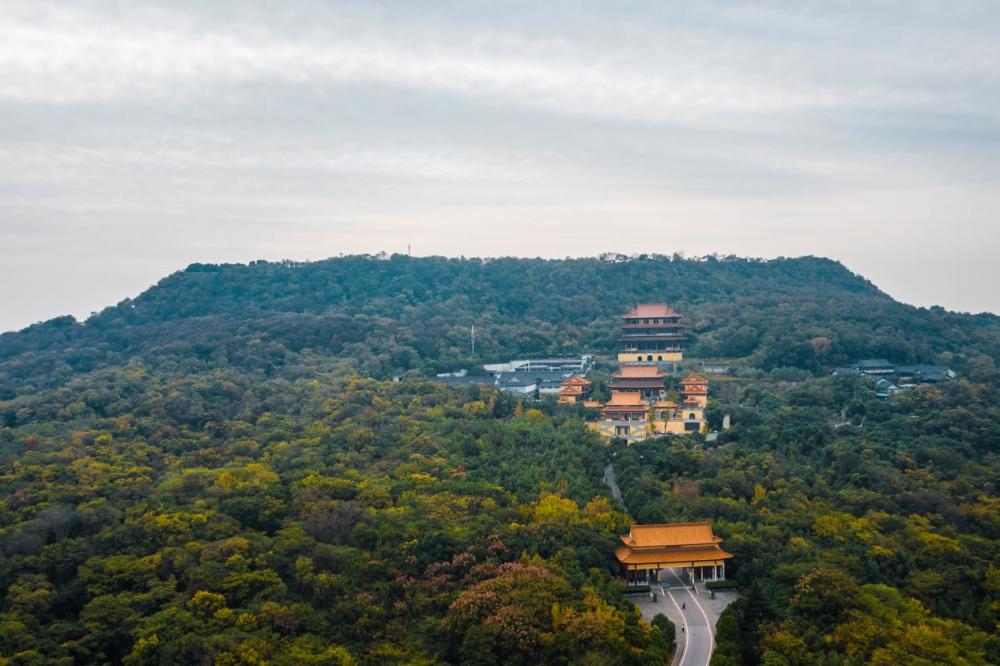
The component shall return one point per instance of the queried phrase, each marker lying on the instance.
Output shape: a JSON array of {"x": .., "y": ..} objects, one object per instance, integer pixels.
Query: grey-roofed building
[
  {"x": 526, "y": 383},
  {"x": 567, "y": 364},
  {"x": 874, "y": 366},
  {"x": 924, "y": 374},
  {"x": 885, "y": 387},
  {"x": 465, "y": 380}
]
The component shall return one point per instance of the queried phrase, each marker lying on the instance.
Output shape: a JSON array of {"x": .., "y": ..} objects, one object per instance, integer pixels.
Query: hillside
[
  {"x": 220, "y": 471},
  {"x": 384, "y": 318}
]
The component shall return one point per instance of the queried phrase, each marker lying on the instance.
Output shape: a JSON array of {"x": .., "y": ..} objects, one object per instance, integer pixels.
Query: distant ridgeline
[{"x": 386, "y": 316}]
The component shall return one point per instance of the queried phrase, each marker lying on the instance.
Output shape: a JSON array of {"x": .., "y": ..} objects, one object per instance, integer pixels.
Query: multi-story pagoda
[
  {"x": 646, "y": 380},
  {"x": 652, "y": 333}
]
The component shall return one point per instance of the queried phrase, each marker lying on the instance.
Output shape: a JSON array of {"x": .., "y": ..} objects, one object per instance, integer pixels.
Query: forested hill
[
  {"x": 205, "y": 475},
  {"x": 387, "y": 317}
]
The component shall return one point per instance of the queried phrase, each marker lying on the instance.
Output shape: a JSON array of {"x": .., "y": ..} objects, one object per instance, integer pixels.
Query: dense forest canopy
[
  {"x": 222, "y": 470},
  {"x": 385, "y": 318}
]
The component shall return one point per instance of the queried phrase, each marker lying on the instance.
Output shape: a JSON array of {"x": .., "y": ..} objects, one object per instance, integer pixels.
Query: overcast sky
[{"x": 138, "y": 138}]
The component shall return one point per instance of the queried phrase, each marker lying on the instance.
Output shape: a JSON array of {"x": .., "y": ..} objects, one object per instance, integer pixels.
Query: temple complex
[
  {"x": 652, "y": 346},
  {"x": 691, "y": 547}
]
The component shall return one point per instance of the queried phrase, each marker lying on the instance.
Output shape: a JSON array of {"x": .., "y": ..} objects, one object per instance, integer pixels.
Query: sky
[{"x": 137, "y": 138}]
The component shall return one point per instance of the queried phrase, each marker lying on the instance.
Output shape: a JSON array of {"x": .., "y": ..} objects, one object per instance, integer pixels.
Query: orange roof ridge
[
  {"x": 640, "y": 371},
  {"x": 651, "y": 310},
  {"x": 662, "y": 557},
  {"x": 692, "y": 522},
  {"x": 694, "y": 378},
  {"x": 624, "y": 398},
  {"x": 670, "y": 534}
]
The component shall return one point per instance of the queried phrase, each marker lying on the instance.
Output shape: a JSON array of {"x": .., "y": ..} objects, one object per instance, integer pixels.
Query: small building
[
  {"x": 689, "y": 415},
  {"x": 884, "y": 387},
  {"x": 717, "y": 366},
  {"x": 694, "y": 396},
  {"x": 574, "y": 389},
  {"x": 692, "y": 547}
]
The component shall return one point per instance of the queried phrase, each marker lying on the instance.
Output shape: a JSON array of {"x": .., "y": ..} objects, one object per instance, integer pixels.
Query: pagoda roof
[
  {"x": 576, "y": 380},
  {"x": 640, "y": 371},
  {"x": 669, "y": 557},
  {"x": 670, "y": 534},
  {"x": 665, "y": 403},
  {"x": 625, "y": 399},
  {"x": 870, "y": 363},
  {"x": 571, "y": 389},
  {"x": 645, "y": 310},
  {"x": 694, "y": 378}
]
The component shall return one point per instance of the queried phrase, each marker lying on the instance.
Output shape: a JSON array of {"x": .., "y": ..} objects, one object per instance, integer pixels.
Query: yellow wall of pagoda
[
  {"x": 699, "y": 413},
  {"x": 633, "y": 357},
  {"x": 702, "y": 400}
]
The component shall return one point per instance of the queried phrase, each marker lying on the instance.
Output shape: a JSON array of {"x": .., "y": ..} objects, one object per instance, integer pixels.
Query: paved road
[
  {"x": 609, "y": 478},
  {"x": 697, "y": 641}
]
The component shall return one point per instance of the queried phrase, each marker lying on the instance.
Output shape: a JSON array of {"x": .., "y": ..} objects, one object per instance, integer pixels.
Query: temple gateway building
[{"x": 691, "y": 547}]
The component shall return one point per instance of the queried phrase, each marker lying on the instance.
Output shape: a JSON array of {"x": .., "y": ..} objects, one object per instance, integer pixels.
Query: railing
[{"x": 661, "y": 324}]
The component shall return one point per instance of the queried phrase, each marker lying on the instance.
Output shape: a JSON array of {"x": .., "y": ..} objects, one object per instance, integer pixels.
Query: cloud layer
[{"x": 137, "y": 138}]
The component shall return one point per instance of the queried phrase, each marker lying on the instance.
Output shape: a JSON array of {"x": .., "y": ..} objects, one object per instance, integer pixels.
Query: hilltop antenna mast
[{"x": 472, "y": 333}]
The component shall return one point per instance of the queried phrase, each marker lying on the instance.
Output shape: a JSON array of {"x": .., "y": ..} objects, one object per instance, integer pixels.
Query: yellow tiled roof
[
  {"x": 625, "y": 399},
  {"x": 670, "y": 534},
  {"x": 671, "y": 556}
]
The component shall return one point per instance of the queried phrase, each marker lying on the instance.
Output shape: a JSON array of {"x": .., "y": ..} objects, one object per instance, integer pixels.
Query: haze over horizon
[{"x": 137, "y": 139}]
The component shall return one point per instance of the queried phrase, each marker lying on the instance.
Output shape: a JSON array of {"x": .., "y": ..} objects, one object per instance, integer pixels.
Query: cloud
[
  {"x": 185, "y": 131},
  {"x": 71, "y": 56}
]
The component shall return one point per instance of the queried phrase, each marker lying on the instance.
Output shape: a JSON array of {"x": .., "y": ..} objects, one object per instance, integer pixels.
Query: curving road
[
  {"x": 609, "y": 478},
  {"x": 696, "y": 643}
]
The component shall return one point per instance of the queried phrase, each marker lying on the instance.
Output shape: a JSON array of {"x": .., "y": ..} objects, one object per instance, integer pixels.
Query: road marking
[
  {"x": 681, "y": 613},
  {"x": 708, "y": 625}
]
